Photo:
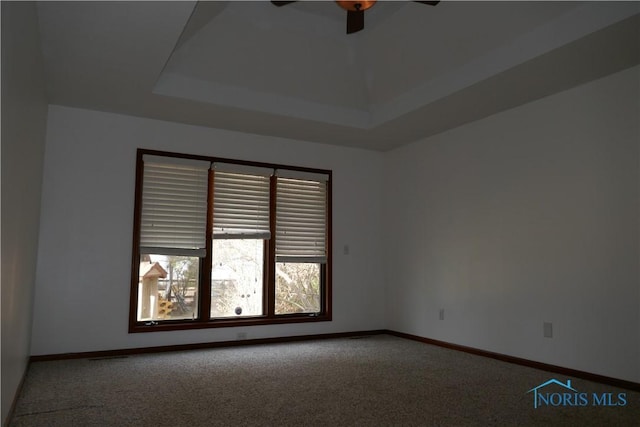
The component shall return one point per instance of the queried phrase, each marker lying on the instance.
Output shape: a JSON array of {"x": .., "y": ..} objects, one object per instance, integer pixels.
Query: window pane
[
  {"x": 297, "y": 288},
  {"x": 167, "y": 288},
  {"x": 237, "y": 277}
]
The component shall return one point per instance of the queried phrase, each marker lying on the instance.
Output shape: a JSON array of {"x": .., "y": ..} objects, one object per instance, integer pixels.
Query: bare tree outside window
[{"x": 297, "y": 288}]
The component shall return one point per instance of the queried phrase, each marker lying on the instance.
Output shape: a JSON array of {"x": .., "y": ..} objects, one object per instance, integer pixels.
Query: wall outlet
[
  {"x": 241, "y": 336},
  {"x": 442, "y": 314},
  {"x": 547, "y": 329}
]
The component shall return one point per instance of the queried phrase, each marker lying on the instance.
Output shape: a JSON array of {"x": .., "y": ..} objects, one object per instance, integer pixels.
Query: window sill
[{"x": 181, "y": 325}]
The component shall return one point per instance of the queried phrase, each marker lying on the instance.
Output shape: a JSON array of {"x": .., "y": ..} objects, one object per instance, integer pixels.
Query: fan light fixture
[
  {"x": 355, "y": 11},
  {"x": 356, "y": 6}
]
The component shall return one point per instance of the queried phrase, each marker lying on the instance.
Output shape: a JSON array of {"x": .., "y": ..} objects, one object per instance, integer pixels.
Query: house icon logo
[
  {"x": 563, "y": 395},
  {"x": 539, "y": 397}
]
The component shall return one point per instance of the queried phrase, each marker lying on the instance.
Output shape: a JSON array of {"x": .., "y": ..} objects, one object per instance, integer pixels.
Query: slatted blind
[
  {"x": 241, "y": 202},
  {"x": 301, "y": 217},
  {"x": 174, "y": 206}
]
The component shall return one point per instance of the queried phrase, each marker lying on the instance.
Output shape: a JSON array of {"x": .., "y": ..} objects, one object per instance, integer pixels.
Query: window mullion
[
  {"x": 205, "y": 272},
  {"x": 328, "y": 267},
  {"x": 271, "y": 254}
]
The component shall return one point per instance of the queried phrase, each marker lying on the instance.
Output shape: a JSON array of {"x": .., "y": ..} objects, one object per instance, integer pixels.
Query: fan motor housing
[{"x": 356, "y": 6}]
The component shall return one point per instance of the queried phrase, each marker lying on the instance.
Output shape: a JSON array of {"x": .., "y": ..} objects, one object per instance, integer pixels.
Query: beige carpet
[{"x": 371, "y": 381}]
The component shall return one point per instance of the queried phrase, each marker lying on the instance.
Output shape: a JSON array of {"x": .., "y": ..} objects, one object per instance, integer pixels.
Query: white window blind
[
  {"x": 174, "y": 206},
  {"x": 301, "y": 219},
  {"x": 241, "y": 202}
]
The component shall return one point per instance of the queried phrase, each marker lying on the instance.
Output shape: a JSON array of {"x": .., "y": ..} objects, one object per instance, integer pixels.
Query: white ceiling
[{"x": 291, "y": 71}]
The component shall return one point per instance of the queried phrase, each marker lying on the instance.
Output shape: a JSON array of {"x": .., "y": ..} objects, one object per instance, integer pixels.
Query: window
[
  {"x": 301, "y": 219},
  {"x": 220, "y": 242}
]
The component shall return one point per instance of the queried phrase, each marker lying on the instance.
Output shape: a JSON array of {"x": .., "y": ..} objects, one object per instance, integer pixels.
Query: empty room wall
[
  {"x": 525, "y": 217},
  {"x": 24, "y": 116},
  {"x": 83, "y": 274}
]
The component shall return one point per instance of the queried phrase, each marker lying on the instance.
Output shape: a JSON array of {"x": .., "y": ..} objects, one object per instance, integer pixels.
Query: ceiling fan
[{"x": 355, "y": 11}]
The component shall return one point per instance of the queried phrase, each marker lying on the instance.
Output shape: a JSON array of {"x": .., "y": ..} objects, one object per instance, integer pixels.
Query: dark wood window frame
[{"x": 204, "y": 287}]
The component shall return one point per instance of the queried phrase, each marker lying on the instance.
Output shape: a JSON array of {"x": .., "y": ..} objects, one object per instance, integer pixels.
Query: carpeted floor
[{"x": 372, "y": 381}]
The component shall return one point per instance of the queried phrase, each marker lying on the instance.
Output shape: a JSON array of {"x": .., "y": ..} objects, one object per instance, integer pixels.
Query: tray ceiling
[{"x": 292, "y": 72}]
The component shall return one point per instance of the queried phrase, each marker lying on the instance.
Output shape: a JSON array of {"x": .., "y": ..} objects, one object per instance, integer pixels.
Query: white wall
[
  {"x": 83, "y": 274},
  {"x": 24, "y": 116},
  {"x": 525, "y": 217}
]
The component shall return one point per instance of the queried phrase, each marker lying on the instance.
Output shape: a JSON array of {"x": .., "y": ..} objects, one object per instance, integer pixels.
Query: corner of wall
[{"x": 24, "y": 117}]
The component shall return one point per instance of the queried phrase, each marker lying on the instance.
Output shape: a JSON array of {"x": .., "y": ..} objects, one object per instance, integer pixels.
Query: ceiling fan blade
[
  {"x": 281, "y": 3},
  {"x": 430, "y": 3},
  {"x": 355, "y": 21}
]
